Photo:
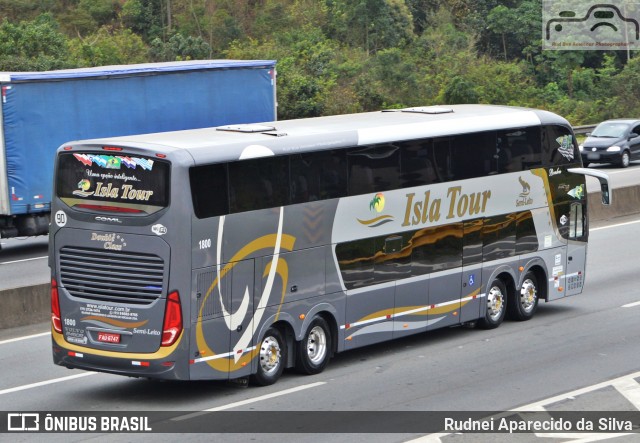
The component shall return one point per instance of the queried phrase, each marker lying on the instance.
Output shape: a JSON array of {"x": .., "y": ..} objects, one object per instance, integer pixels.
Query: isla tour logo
[
  {"x": 591, "y": 25},
  {"x": 23, "y": 422}
]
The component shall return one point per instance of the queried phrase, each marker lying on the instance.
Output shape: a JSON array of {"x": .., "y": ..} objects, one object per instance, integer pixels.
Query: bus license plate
[{"x": 108, "y": 337}]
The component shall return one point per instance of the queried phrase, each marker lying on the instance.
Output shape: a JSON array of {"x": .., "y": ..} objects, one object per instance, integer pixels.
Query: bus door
[
  {"x": 225, "y": 310},
  {"x": 471, "y": 301},
  {"x": 576, "y": 249},
  {"x": 445, "y": 281}
]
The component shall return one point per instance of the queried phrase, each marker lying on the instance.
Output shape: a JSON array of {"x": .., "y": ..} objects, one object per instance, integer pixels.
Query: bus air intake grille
[{"x": 111, "y": 276}]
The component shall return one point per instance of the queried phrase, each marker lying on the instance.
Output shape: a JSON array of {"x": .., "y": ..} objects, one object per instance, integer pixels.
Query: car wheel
[
  {"x": 624, "y": 159},
  {"x": 496, "y": 306}
]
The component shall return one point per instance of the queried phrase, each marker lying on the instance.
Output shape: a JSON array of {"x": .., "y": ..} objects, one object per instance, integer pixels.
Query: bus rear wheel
[
  {"x": 496, "y": 307},
  {"x": 272, "y": 358},
  {"x": 525, "y": 302},
  {"x": 314, "y": 350}
]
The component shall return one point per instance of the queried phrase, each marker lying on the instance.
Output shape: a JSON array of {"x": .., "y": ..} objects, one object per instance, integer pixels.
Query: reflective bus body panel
[{"x": 379, "y": 265}]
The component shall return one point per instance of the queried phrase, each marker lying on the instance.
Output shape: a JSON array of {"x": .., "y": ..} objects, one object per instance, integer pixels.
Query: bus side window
[
  {"x": 209, "y": 190},
  {"x": 519, "y": 149}
]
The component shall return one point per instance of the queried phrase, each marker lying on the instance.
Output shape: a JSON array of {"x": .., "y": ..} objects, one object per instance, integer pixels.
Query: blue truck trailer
[{"x": 39, "y": 111}]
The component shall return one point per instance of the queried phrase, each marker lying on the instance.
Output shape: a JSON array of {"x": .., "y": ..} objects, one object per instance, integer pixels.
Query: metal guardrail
[{"x": 583, "y": 129}]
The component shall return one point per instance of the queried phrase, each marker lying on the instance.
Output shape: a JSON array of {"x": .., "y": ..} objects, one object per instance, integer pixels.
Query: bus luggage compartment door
[{"x": 225, "y": 307}]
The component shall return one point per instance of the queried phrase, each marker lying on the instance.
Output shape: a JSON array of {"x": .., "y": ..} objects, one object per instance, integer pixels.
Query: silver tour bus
[{"x": 239, "y": 251}]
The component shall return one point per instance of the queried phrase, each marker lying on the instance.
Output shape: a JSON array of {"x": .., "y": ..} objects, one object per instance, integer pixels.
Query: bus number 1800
[{"x": 204, "y": 244}]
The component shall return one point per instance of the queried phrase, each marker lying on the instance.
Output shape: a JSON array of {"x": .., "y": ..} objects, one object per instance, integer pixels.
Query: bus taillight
[
  {"x": 55, "y": 307},
  {"x": 172, "y": 320}
]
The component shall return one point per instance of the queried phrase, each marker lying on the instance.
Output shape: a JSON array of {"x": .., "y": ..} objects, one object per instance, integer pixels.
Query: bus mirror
[{"x": 602, "y": 178}]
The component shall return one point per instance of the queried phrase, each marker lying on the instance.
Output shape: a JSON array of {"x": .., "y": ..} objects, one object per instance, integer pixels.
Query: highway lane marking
[
  {"x": 615, "y": 226},
  {"x": 23, "y": 260},
  {"x": 46, "y": 382},
  {"x": 626, "y": 385},
  {"x": 26, "y": 337},
  {"x": 250, "y": 400},
  {"x": 631, "y": 305}
]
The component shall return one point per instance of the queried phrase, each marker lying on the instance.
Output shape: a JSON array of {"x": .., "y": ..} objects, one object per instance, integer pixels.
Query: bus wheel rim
[
  {"x": 495, "y": 302},
  {"x": 528, "y": 295},
  {"x": 317, "y": 345},
  {"x": 270, "y": 355}
]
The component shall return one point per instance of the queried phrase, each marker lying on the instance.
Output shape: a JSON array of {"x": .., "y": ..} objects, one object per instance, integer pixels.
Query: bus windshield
[{"x": 121, "y": 183}]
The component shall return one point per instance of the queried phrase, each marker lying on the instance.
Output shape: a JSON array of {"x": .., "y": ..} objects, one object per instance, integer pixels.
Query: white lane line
[
  {"x": 614, "y": 226},
  {"x": 46, "y": 382},
  {"x": 23, "y": 260},
  {"x": 26, "y": 337},
  {"x": 631, "y": 305},
  {"x": 250, "y": 400},
  {"x": 625, "y": 385}
]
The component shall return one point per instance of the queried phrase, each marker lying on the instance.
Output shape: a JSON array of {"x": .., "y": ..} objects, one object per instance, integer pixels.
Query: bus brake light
[
  {"x": 55, "y": 307},
  {"x": 172, "y": 320}
]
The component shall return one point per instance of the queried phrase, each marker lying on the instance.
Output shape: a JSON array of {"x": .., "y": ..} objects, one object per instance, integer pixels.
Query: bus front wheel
[
  {"x": 272, "y": 358},
  {"x": 496, "y": 306},
  {"x": 314, "y": 350}
]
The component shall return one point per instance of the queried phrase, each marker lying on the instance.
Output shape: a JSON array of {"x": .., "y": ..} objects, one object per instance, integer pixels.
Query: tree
[
  {"x": 371, "y": 24},
  {"x": 108, "y": 47},
  {"x": 35, "y": 45}
]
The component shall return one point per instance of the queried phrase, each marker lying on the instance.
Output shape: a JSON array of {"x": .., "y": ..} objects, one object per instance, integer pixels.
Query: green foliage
[
  {"x": 107, "y": 47},
  {"x": 35, "y": 45},
  {"x": 180, "y": 47},
  {"x": 337, "y": 56}
]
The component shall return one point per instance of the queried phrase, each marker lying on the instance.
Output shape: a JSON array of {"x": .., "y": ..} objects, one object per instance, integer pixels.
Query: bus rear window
[{"x": 121, "y": 183}]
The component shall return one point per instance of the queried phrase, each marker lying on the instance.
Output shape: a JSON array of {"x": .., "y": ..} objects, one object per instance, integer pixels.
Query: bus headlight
[{"x": 613, "y": 149}]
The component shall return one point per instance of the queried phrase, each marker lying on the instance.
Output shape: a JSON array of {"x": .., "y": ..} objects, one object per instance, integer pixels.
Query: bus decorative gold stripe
[
  {"x": 162, "y": 352},
  {"x": 388, "y": 314},
  {"x": 218, "y": 356},
  {"x": 278, "y": 242}
]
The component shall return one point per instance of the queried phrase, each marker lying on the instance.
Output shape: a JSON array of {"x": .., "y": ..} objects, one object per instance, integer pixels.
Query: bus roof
[{"x": 234, "y": 142}]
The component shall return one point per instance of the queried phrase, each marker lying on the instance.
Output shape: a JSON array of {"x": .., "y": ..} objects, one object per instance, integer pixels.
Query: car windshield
[{"x": 616, "y": 130}]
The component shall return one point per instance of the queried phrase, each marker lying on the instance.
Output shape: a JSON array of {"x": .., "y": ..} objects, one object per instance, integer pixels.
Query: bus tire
[
  {"x": 272, "y": 357},
  {"x": 522, "y": 306},
  {"x": 496, "y": 307},
  {"x": 314, "y": 350}
]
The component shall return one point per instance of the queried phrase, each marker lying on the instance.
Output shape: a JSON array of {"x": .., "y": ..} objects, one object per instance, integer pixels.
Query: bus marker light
[
  {"x": 560, "y": 288},
  {"x": 75, "y": 354},
  {"x": 347, "y": 326},
  {"x": 302, "y": 316},
  {"x": 405, "y": 325},
  {"x": 111, "y": 148},
  {"x": 243, "y": 364},
  {"x": 167, "y": 364},
  {"x": 521, "y": 268},
  {"x": 388, "y": 316},
  {"x": 68, "y": 148},
  {"x": 161, "y": 155},
  {"x": 455, "y": 313},
  {"x": 192, "y": 361},
  {"x": 349, "y": 338},
  {"x": 145, "y": 364}
]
